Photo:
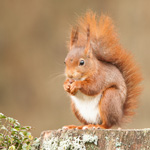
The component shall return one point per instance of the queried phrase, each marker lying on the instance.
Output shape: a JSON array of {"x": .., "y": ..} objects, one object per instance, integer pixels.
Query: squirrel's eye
[
  {"x": 81, "y": 62},
  {"x": 64, "y": 62}
]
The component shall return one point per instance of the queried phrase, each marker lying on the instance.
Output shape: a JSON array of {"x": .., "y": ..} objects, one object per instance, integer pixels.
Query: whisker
[
  {"x": 56, "y": 76},
  {"x": 53, "y": 74}
]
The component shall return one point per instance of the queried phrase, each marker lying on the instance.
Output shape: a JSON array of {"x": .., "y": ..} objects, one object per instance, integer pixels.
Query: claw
[
  {"x": 91, "y": 126},
  {"x": 85, "y": 127},
  {"x": 65, "y": 127}
]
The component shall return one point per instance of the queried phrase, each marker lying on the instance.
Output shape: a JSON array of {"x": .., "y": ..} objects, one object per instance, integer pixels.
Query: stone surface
[{"x": 110, "y": 139}]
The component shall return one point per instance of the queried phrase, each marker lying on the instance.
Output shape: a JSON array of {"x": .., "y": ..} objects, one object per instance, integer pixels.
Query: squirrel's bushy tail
[{"x": 104, "y": 42}]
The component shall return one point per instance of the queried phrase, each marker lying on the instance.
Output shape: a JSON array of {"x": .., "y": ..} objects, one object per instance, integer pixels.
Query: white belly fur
[{"x": 88, "y": 107}]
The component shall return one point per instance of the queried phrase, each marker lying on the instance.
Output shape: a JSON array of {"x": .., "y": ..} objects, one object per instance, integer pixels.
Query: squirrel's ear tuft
[
  {"x": 88, "y": 33},
  {"x": 88, "y": 48},
  {"x": 74, "y": 36}
]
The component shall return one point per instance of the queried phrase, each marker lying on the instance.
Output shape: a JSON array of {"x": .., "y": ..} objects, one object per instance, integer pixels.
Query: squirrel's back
[{"x": 105, "y": 44}]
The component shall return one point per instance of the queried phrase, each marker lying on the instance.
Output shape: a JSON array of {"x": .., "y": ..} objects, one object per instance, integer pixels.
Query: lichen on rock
[
  {"x": 69, "y": 142},
  {"x": 95, "y": 139}
]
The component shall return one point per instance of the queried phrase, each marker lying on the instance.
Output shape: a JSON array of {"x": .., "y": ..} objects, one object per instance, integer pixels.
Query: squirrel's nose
[{"x": 70, "y": 76}]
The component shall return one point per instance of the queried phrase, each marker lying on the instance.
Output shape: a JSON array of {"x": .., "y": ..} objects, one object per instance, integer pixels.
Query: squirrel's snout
[
  {"x": 70, "y": 76},
  {"x": 73, "y": 75}
]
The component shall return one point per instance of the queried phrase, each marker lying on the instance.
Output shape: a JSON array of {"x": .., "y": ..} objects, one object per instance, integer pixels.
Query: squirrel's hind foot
[
  {"x": 89, "y": 126},
  {"x": 70, "y": 127}
]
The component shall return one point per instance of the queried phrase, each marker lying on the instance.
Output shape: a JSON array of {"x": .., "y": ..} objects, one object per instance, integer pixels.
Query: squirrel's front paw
[
  {"x": 67, "y": 85},
  {"x": 74, "y": 87}
]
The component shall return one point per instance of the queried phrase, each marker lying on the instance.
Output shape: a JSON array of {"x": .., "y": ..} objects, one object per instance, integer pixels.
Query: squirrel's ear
[
  {"x": 74, "y": 36},
  {"x": 88, "y": 49}
]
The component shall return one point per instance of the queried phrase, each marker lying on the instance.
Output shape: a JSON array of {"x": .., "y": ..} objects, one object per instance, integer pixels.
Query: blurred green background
[{"x": 33, "y": 37}]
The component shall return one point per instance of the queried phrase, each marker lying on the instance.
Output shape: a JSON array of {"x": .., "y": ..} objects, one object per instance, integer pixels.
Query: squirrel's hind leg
[{"x": 111, "y": 108}]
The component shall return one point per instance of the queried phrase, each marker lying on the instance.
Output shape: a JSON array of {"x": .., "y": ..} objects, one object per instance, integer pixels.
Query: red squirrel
[{"x": 103, "y": 80}]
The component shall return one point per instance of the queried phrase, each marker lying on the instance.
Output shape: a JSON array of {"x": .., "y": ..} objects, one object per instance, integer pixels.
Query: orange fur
[
  {"x": 99, "y": 35},
  {"x": 108, "y": 49}
]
